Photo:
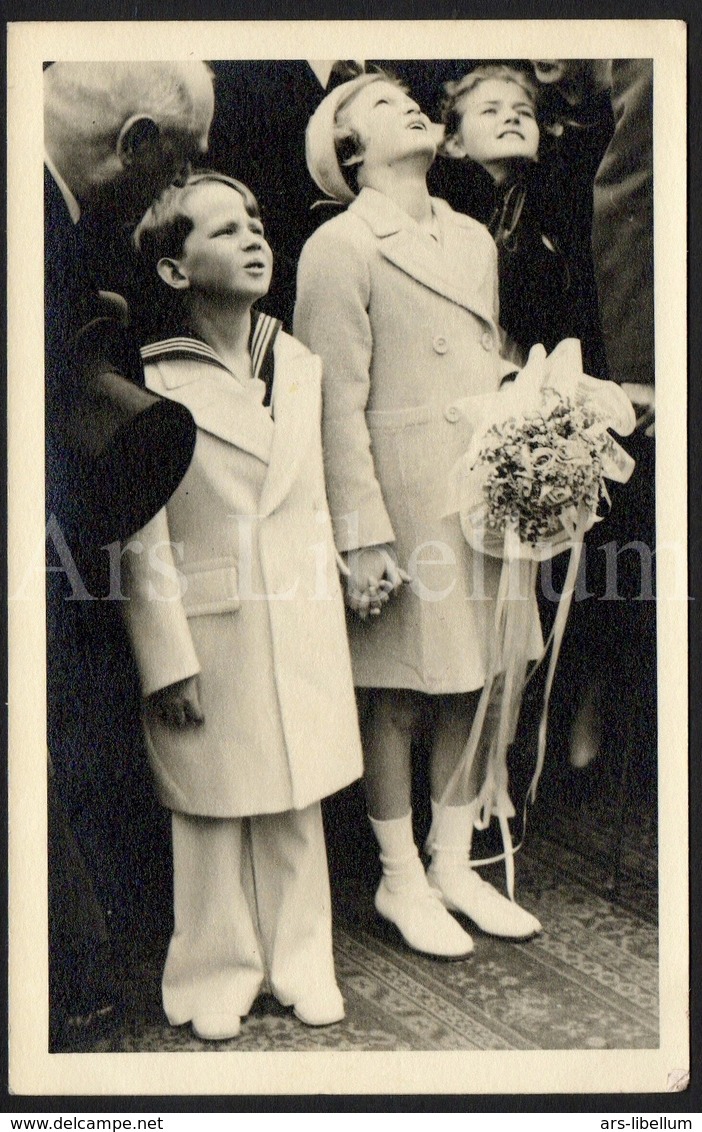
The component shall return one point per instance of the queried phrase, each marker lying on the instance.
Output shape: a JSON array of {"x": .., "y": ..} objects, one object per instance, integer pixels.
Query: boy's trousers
[{"x": 252, "y": 905}]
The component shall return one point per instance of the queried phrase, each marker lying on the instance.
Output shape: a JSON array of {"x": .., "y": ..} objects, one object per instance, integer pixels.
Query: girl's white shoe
[
  {"x": 458, "y": 885},
  {"x": 461, "y": 890}
]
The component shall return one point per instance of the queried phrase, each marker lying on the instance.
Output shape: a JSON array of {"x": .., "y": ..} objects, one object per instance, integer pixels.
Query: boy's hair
[
  {"x": 348, "y": 144},
  {"x": 456, "y": 92},
  {"x": 166, "y": 226}
]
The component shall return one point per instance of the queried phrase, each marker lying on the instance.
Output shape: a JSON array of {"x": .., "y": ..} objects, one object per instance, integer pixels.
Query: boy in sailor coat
[
  {"x": 237, "y": 624},
  {"x": 398, "y": 295}
]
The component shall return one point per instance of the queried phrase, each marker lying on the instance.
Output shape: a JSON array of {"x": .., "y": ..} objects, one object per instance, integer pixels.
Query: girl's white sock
[{"x": 451, "y": 834}]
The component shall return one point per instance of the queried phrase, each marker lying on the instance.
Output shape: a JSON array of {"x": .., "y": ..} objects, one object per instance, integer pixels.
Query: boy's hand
[
  {"x": 178, "y": 705},
  {"x": 373, "y": 575}
]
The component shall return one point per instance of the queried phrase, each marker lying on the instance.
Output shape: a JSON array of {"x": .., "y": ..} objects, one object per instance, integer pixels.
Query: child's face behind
[
  {"x": 225, "y": 255},
  {"x": 497, "y": 126}
]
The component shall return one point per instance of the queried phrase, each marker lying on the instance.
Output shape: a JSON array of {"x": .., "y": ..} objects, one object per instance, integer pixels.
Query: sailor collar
[{"x": 264, "y": 331}]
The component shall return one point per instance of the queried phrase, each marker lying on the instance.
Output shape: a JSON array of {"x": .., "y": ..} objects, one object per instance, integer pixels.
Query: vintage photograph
[{"x": 350, "y": 588}]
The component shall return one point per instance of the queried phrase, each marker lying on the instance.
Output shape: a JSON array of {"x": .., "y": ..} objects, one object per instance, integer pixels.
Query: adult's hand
[{"x": 643, "y": 398}]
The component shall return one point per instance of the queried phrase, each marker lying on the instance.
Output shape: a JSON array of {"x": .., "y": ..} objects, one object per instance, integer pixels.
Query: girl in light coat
[
  {"x": 237, "y": 622},
  {"x": 398, "y": 295}
]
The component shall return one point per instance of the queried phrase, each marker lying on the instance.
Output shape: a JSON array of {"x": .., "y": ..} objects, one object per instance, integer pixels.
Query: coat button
[
  {"x": 439, "y": 344},
  {"x": 487, "y": 341},
  {"x": 452, "y": 414}
]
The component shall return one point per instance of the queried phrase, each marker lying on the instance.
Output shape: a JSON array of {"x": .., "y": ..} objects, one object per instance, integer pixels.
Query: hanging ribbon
[
  {"x": 556, "y": 639},
  {"x": 482, "y": 769}
]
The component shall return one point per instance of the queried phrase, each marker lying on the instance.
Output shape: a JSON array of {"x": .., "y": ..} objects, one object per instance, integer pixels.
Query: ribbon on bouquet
[{"x": 482, "y": 769}]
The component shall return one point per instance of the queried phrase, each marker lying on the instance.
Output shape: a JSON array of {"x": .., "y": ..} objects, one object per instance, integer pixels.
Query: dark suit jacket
[
  {"x": 69, "y": 301},
  {"x": 93, "y": 699},
  {"x": 105, "y": 433}
]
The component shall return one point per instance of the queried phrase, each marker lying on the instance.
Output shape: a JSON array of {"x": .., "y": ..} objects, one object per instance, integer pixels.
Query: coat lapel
[
  {"x": 217, "y": 401},
  {"x": 458, "y": 270},
  {"x": 297, "y": 409}
]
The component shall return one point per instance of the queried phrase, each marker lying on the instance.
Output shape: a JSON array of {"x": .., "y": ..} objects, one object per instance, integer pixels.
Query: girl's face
[
  {"x": 226, "y": 253},
  {"x": 497, "y": 125},
  {"x": 390, "y": 125}
]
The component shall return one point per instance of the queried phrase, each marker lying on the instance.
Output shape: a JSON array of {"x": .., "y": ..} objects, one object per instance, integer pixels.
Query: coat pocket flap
[{"x": 210, "y": 587}]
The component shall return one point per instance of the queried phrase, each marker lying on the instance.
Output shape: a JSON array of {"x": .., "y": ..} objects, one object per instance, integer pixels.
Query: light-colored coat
[
  {"x": 406, "y": 327},
  {"x": 256, "y": 606}
]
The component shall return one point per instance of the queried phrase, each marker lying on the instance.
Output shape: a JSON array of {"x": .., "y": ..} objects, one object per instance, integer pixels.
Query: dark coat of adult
[
  {"x": 100, "y": 781},
  {"x": 623, "y": 225},
  {"x": 623, "y": 250}
]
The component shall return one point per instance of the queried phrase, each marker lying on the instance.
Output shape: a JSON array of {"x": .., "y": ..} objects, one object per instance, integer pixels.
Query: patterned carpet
[{"x": 588, "y": 982}]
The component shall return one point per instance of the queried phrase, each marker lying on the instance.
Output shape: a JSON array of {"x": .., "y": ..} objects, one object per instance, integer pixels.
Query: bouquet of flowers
[
  {"x": 539, "y": 470},
  {"x": 530, "y": 485},
  {"x": 542, "y": 459}
]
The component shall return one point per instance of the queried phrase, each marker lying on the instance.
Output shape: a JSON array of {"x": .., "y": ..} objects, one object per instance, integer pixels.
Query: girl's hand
[{"x": 178, "y": 705}]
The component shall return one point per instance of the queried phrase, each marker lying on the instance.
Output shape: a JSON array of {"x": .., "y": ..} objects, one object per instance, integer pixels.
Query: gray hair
[{"x": 92, "y": 101}]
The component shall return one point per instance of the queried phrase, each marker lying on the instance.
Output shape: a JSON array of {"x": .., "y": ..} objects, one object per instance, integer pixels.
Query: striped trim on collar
[
  {"x": 263, "y": 335},
  {"x": 264, "y": 331}
]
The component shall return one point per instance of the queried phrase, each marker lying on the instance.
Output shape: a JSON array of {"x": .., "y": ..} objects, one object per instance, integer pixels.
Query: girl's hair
[
  {"x": 166, "y": 226},
  {"x": 456, "y": 92},
  {"x": 347, "y": 142}
]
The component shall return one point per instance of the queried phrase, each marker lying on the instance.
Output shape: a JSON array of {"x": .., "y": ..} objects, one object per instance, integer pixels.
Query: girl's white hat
[{"x": 320, "y": 150}]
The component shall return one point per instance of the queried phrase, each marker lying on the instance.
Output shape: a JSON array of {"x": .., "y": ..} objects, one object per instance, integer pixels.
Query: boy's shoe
[
  {"x": 418, "y": 913},
  {"x": 462, "y": 890},
  {"x": 216, "y": 1027},
  {"x": 320, "y": 1008}
]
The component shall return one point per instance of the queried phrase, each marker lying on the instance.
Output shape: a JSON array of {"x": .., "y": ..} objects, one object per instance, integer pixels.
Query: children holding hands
[
  {"x": 235, "y": 610},
  {"x": 237, "y": 624}
]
